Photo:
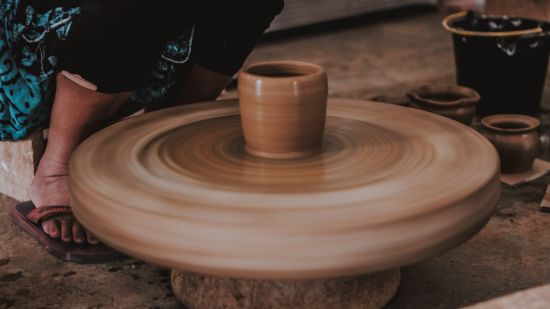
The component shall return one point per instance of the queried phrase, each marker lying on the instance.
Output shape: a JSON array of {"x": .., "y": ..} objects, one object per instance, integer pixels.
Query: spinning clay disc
[{"x": 390, "y": 186}]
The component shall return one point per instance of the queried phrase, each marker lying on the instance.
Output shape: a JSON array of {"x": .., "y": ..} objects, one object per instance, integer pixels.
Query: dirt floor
[{"x": 385, "y": 54}]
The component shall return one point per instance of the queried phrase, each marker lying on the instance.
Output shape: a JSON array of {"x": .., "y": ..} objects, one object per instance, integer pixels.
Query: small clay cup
[
  {"x": 283, "y": 107},
  {"x": 455, "y": 102},
  {"x": 515, "y": 138}
]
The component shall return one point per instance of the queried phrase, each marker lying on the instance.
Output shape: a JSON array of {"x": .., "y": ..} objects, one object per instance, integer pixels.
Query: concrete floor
[{"x": 381, "y": 55}]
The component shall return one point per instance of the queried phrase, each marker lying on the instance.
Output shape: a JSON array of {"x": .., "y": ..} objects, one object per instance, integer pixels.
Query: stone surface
[
  {"x": 535, "y": 298},
  {"x": 380, "y": 55},
  {"x": 18, "y": 161},
  {"x": 366, "y": 291}
]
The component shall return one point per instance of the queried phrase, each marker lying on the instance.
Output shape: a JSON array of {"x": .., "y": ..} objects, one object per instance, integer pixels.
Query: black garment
[
  {"x": 118, "y": 46},
  {"x": 115, "y": 44},
  {"x": 226, "y": 31}
]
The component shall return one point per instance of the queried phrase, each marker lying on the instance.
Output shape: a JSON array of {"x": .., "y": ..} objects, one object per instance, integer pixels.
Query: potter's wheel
[{"x": 391, "y": 186}]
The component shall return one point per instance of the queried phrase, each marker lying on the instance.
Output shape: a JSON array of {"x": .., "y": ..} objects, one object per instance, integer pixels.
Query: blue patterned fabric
[
  {"x": 26, "y": 67},
  {"x": 29, "y": 63},
  {"x": 163, "y": 76}
]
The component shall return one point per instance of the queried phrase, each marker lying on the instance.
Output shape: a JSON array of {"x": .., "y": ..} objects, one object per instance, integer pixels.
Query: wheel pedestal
[{"x": 361, "y": 291}]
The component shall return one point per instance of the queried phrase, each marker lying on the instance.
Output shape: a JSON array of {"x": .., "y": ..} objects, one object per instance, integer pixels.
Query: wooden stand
[
  {"x": 18, "y": 162},
  {"x": 363, "y": 291}
]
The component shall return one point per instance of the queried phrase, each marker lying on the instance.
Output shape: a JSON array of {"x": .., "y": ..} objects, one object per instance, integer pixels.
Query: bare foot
[{"x": 50, "y": 187}]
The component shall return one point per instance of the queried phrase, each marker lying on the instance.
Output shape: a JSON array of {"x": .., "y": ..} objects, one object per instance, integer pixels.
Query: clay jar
[
  {"x": 455, "y": 102},
  {"x": 283, "y": 108},
  {"x": 515, "y": 138}
]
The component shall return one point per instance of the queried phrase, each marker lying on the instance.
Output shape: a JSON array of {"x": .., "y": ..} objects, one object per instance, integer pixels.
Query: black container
[{"x": 504, "y": 59}]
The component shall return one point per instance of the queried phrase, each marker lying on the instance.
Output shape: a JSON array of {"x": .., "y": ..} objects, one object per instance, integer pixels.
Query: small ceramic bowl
[
  {"x": 455, "y": 102},
  {"x": 515, "y": 138}
]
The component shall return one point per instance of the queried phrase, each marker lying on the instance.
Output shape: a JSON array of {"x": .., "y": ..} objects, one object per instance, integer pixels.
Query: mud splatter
[
  {"x": 6, "y": 303},
  {"x": 505, "y": 213},
  {"x": 164, "y": 272},
  {"x": 137, "y": 264},
  {"x": 239, "y": 297},
  {"x": 23, "y": 292},
  {"x": 4, "y": 261},
  {"x": 11, "y": 277},
  {"x": 113, "y": 269}
]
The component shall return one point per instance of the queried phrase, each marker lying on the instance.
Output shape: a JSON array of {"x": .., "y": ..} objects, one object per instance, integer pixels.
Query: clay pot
[
  {"x": 455, "y": 102},
  {"x": 516, "y": 139},
  {"x": 283, "y": 108}
]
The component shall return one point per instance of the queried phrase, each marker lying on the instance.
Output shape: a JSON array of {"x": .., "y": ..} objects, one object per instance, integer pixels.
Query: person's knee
[{"x": 72, "y": 88}]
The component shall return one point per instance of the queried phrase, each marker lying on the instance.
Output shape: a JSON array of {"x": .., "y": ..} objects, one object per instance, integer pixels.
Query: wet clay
[
  {"x": 283, "y": 108},
  {"x": 390, "y": 186}
]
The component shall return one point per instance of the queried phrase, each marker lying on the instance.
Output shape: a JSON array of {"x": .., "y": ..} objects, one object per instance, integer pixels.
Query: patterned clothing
[
  {"x": 27, "y": 66},
  {"x": 118, "y": 45}
]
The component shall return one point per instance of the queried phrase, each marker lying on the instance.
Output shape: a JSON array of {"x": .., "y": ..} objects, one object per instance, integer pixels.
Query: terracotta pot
[
  {"x": 455, "y": 102},
  {"x": 283, "y": 108},
  {"x": 516, "y": 139}
]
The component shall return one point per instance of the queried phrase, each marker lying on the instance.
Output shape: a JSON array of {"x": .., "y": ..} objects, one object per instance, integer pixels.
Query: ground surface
[{"x": 386, "y": 55}]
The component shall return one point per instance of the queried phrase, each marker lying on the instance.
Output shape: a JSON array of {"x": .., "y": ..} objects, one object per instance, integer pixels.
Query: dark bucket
[{"x": 504, "y": 59}]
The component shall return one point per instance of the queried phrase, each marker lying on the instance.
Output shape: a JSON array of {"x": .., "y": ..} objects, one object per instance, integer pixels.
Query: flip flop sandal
[{"x": 29, "y": 218}]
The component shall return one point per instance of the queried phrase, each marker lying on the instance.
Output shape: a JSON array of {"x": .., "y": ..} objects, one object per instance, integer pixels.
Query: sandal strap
[{"x": 40, "y": 213}]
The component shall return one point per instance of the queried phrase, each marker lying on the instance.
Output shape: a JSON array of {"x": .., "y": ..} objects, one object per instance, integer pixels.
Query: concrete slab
[{"x": 383, "y": 55}]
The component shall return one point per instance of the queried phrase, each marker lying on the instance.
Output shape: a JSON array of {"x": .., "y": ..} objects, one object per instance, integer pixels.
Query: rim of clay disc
[
  {"x": 294, "y": 70},
  {"x": 422, "y": 94},
  {"x": 447, "y": 20},
  {"x": 510, "y": 123}
]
